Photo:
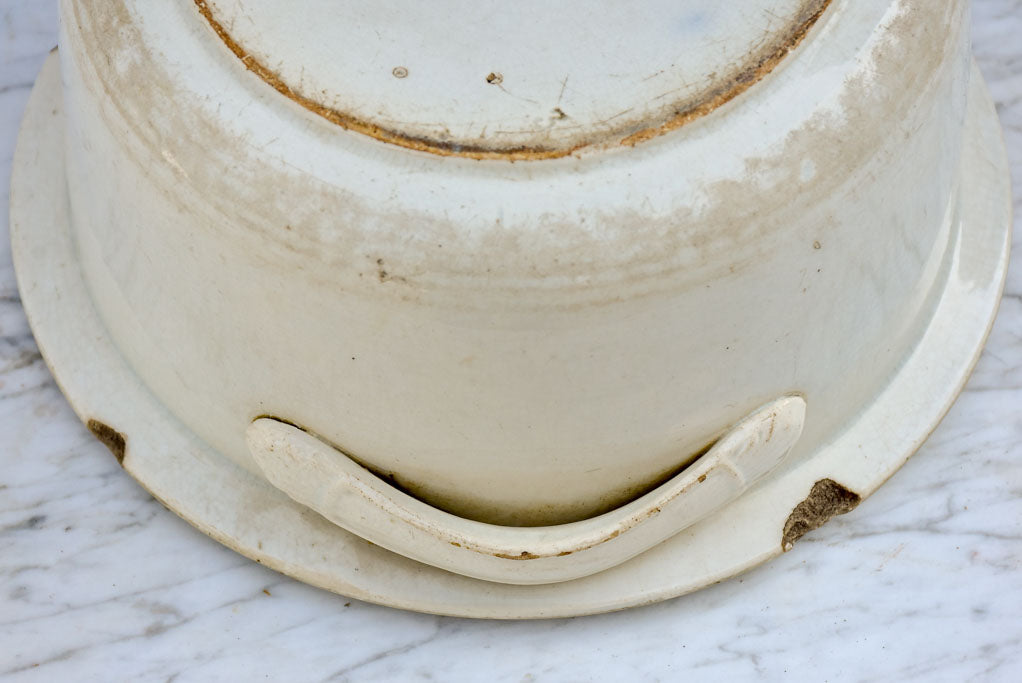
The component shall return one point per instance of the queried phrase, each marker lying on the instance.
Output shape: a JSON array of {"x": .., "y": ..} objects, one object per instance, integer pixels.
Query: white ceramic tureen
[{"x": 511, "y": 309}]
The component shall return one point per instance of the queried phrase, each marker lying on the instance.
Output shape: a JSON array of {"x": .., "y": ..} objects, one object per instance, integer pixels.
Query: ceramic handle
[{"x": 331, "y": 483}]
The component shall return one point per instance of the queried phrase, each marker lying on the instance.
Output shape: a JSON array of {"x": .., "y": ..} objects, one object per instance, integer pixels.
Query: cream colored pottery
[{"x": 612, "y": 305}]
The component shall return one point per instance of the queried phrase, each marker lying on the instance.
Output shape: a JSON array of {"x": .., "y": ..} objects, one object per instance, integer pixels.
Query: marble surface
[{"x": 99, "y": 582}]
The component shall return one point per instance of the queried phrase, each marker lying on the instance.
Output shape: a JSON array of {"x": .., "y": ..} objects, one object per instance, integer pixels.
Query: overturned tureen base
[{"x": 259, "y": 521}]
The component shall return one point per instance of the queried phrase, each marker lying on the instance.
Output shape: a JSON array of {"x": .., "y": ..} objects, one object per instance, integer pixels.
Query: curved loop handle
[{"x": 328, "y": 481}]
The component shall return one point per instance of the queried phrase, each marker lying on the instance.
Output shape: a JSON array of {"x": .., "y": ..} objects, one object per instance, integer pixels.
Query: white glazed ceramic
[
  {"x": 252, "y": 516},
  {"x": 528, "y": 298},
  {"x": 529, "y": 342}
]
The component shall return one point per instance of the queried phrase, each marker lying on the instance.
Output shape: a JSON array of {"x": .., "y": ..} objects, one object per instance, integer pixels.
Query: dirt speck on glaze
[
  {"x": 383, "y": 275},
  {"x": 109, "y": 437},
  {"x": 827, "y": 499}
]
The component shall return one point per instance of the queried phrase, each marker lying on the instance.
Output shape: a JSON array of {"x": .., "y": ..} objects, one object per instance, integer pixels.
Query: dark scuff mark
[
  {"x": 33, "y": 522},
  {"x": 109, "y": 437},
  {"x": 826, "y": 499}
]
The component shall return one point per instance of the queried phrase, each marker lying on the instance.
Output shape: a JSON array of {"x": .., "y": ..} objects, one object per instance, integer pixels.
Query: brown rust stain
[
  {"x": 753, "y": 73},
  {"x": 109, "y": 437},
  {"x": 826, "y": 499},
  {"x": 353, "y": 123},
  {"x": 525, "y": 555},
  {"x": 757, "y": 66}
]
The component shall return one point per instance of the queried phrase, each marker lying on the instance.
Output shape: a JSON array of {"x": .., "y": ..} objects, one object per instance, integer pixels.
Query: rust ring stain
[{"x": 629, "y": 135}]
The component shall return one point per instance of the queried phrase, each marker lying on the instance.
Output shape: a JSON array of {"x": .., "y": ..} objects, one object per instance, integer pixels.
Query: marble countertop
[{"x": 99, "y": 582}]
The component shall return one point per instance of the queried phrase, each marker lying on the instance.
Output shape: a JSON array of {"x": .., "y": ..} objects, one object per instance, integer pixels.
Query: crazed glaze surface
[{"x": 518, "y": 343}]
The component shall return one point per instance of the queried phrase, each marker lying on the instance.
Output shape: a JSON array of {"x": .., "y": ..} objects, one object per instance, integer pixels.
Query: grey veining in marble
[{"x": 99, "y": 582}]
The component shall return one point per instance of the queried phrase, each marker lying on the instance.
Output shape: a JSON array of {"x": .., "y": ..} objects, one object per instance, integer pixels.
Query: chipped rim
[
  {"x": 747, "y": 75},
  {"x": 248, "y": 515}
]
